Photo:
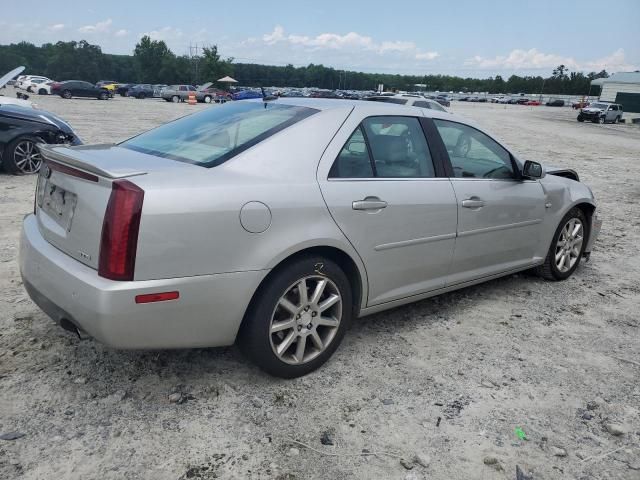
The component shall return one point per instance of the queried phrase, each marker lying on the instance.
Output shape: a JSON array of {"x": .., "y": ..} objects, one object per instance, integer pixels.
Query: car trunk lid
[{"x": 73, "y": 192}]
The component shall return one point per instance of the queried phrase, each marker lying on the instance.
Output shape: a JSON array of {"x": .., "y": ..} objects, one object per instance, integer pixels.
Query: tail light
[{"x": 120, "y": 231}]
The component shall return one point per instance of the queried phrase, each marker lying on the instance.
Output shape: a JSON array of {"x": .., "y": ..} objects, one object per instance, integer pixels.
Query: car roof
[{"x": 370, "y": 108}]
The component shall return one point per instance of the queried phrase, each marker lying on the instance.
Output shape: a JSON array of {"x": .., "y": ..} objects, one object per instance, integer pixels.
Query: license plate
[{"x": 58, "y": 203}]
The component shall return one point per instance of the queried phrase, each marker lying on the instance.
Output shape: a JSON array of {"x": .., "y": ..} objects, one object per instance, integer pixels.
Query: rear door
[
  {"x": 499, "y": 215},
  {"x": 392, "y": 202}
]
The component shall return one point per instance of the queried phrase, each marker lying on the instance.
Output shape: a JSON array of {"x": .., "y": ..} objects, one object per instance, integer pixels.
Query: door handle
[
  {"x": 369, "y": 203},
  {"x": 473, "y": 202}
]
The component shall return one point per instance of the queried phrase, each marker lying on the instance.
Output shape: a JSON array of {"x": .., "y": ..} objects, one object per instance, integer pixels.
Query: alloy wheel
[
  {"x": 569, "y": 245},
  {"x": 305, "y": 320},
  {"x": 26, "y": 157}
]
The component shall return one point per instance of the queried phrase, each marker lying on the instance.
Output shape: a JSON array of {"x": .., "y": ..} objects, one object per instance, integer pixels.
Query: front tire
[
  {"x": 42, "y": 91},
  {"x": 175, "y": 99},
  {"x": 103, "y": 96},
  {"x": 66, "y": 94},
  {"x": 298, "y": 317},
  {"x": 580, "y": 118},
  {"x": 207, "y": 99},
  {"x": 22, "y": 156},
  {"x": 141, "y": 96},
  {"x": 567, "y": 247}
]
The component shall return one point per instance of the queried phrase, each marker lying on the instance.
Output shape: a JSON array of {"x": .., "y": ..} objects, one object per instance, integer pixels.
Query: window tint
[
  {"x": 215, "y": 135},
  {"x": 472, "y": 153},
  {"x": 353, "y": 160},
  {"x": 398, "y": 147},
  {"x": 183, "y": 88}
]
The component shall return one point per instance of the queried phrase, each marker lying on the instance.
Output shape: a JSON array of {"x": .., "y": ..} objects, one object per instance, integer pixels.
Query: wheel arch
[{"x": 352, "y": 269}]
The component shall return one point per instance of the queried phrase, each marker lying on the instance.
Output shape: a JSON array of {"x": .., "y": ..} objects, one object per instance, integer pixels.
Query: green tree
[
  {"x": 212, "y": 66},
  {"x": 152, "y": 58}
]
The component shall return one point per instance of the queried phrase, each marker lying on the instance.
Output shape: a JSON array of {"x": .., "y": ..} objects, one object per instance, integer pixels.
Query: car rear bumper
[{"x": 208, "y": 312}]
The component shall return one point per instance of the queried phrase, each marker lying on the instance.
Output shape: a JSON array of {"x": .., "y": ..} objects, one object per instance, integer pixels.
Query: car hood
[
  {"x": 35, "y": 115},
  {"x": 13, "y": 73}
]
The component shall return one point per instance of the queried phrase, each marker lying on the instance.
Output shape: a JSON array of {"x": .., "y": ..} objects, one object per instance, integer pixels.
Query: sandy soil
[{"x": 442, "y": 383}]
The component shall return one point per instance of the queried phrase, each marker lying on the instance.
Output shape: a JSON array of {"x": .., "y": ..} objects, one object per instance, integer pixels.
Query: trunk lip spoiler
[{"x": 49, "y": 152}]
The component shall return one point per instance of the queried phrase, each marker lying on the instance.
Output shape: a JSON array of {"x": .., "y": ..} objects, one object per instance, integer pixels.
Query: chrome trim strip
[
  {"x": 414, "y": 241},
  {"x": 499, "y": 227}
]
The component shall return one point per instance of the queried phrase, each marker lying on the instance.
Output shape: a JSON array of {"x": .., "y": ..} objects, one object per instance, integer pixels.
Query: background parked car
[
  {"x": 141, "y": 91},
  {"x": 555, "y": 103},
  {"x": 532, "y": 103},
  {"x": 123, "y": 89},
  {"x": 580, "y": 104},
  {"x": 110, "y": 85},
  {"x": 178, "y": 93},
  {"x": 78, "y": 88},
  {"x": 5, "y": 100},
  {"x": 24, "y": 81},
  {"x": 601, "y": 112},
  {"x": 32, "y": 84},
  {"x": 21, "y": 129},
  {"x": 409, "y": 100}
]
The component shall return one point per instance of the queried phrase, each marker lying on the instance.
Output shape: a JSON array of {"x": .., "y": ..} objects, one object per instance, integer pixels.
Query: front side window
[
  {"x": 472, "y": 153},
  {"x": 385, "y": 147},
  {"x": 215, "y": 135}
]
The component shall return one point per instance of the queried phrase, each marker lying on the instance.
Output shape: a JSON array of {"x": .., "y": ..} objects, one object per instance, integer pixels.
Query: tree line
[{"x": 153, "y": 62}]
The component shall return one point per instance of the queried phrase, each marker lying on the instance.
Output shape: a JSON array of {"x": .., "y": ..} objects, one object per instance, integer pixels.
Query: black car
[
  {"x": 123, "y": 89},
  {"x": 78, "y": 88},
  {"x": 555, "y": 103},
  {"x": 21, "y": 129}
]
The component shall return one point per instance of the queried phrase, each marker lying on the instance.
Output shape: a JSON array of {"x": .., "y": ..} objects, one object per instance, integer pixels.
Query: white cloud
[
  {"x": 166, "y": 33},
  {"x": 427, "y": 56},
  {"x": 100, "y": 27},
  {"x": 533, "y": 59},
  {"x": 349, "y": 42},
  {"x": 56, "y": 28},
  {"x": 121, "y": 33}
]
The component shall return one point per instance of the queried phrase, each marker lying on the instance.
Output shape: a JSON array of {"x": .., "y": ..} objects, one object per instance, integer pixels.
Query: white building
[{"x": 622, "y": 88}]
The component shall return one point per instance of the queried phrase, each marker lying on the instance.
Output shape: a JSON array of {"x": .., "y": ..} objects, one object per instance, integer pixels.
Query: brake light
[{"x": 120, "y": 231}]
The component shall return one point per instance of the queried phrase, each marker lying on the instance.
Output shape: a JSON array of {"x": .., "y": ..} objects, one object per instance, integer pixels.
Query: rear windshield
[
  {"x": 212, "y": 137},
  {"x": 399, "y": 101}
]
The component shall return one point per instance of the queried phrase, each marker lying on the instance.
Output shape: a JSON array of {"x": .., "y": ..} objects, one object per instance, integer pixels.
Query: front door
[
  {"x": 499, "y": 215},
  {"x": 385, "y": 194}
]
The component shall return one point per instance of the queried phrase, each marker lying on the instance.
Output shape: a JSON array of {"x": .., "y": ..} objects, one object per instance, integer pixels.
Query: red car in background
[{"x": 533, "y": 103}]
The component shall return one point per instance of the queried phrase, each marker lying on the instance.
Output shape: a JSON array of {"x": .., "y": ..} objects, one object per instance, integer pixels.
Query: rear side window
[
  {"x": 354, "y": 160},
  {"x": 385, "y": 147},
  {"x": 215, "y": 135}
]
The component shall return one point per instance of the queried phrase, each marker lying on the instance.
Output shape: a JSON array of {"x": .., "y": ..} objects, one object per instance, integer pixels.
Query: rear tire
[
  {"x": 288, "y": 333},
  {"x": 207, "y": 99},
  {"x": 22, "y": 157},
  {"x": 562, "y": 245},
  {"x": 66, "y": 94},
  {"x": 175, "y": 99},
  {"x": 103, "y": 96},
  {"x": 42, "y": 91},
  {"x": 142, "y": 96}
]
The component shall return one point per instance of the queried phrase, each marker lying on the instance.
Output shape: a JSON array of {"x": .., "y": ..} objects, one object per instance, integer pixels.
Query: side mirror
[{"x": 532, "y": 170}]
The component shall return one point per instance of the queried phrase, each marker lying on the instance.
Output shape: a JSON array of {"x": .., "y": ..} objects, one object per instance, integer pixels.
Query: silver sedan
[{"x": 274, "y": 224}]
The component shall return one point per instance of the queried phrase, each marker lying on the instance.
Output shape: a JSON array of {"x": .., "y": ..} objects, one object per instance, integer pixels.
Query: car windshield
[{"x": 212, "y": 137}]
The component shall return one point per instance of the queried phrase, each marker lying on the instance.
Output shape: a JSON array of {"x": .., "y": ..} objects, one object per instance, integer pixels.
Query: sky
[{"x": 466, "y": 38}]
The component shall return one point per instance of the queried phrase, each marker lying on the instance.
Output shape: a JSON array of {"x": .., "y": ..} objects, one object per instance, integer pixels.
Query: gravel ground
[{"x": 440, "y": 386}]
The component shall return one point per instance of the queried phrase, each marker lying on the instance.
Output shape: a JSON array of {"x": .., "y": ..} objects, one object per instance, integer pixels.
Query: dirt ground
[{"x": 437, "y": 388}]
